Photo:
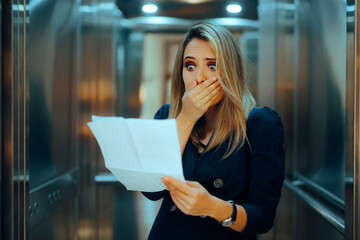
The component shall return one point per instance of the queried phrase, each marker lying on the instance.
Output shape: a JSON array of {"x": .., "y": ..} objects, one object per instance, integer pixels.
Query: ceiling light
[
  {"x": 149, "y": 8},
  {"x": 233, "y": 8}
]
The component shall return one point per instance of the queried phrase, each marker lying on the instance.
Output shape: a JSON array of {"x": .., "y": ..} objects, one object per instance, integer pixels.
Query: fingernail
[{"x": 214, "y": 78}]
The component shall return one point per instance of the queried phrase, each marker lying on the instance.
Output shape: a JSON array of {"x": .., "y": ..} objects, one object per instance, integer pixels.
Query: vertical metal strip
[
  {"x": 24, "y": 94},
  {"x": 7, "y": 126},
  {"x": 1, "y": 132},
  {"x": 350, "y": 124},
  {"x": 356, "y": 203},
  {"x": 96, "y": 108},
  {"x": 17, "y": 97}
]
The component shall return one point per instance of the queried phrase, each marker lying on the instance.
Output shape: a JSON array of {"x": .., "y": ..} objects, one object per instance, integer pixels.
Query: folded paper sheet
[{"x": 139, "y": 152}]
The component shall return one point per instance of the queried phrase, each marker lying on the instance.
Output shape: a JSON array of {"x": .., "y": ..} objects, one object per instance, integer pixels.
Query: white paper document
[{"x": 139, "y": 152}]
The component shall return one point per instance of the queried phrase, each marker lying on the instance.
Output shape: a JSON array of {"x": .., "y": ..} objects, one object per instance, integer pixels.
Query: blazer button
[
  {"x": 172, "y": 208},
  {"x": 218, "y": 183},
  {"x": 203, "y": 216}
]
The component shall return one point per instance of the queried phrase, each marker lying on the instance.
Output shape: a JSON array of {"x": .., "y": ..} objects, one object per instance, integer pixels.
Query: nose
[{"x": 201, "y": 75}]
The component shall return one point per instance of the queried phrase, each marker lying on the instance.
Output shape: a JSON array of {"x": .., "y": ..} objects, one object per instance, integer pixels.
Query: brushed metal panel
[
  {"x": 50, "y": 88},
  {"x": 321, "y": 93},
  {"x": 356, "y": 190},
  {"x": 101, "y": 92},
  {"x": 267, "y": 54},
  {"x": 88, "y": 105},
  {"x": 312, "y": 225},
  {"x": 351, "y": 108},
  {"x": 13, "y": 111},
  {"x": 134, "y": 46},
  {"x": 1, "y": 134},
  {"x": 50, "y": 197},
  {"x": 7, "y": 124},
  {"x": 276, "y": 88},
  {"x": 52, "y": 57}
]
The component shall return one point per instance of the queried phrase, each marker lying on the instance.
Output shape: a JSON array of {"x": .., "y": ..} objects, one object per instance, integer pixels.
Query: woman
[{"x": 232, "y": 152}]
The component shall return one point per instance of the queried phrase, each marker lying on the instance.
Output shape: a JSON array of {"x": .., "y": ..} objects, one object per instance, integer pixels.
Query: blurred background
[{"x": 63, "y": 61}]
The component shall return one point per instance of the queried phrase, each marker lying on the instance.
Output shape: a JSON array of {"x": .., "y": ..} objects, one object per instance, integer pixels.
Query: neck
[{"x": 210, "y": 118}]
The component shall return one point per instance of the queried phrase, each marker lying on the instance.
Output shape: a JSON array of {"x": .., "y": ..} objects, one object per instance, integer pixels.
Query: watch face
[{"x": 227, "y": 223}]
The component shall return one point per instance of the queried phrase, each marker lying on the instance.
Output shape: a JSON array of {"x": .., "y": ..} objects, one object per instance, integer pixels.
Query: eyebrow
[{"x": 208, "y": 59}]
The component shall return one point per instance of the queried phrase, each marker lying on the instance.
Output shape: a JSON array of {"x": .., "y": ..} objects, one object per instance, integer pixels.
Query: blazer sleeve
[
  {"x": 162, "y": 113},
  {"x": 267, "y": 166}
]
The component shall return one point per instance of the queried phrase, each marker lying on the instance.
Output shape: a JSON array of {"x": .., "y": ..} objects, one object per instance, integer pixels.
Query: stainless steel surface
[
  {"x": 351, "y": 108},
  {"x": 321, "y": 93},
  {"x": 317, "y": 206},
  {"x": 14, "y": 159},
  {"x": 320, "y": 191},
  {"x": 107, "y": 179},
  {"x": 50, "y": 197},
  {"x": 303, "y": 54},
  {"x": 276, "y": 88},
  {"x": 1, "y": 140},
  {"x": 134, "y": 55},
  {"x": 312, "y": 225},
  {"x": 63, "y": 61},
  {"x": 267, "y": 50},
  {"x": 6, "y": 127},
  {"x": 52, "y": 77},
  {"x": 356, "y": 203},
  {"x": 102, "y": 90}
]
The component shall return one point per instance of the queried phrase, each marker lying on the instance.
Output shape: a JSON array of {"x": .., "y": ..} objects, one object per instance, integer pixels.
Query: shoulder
[
  {"x": 263, "y": 115},
  {"x": 263, "y": 121},
  {"x": 163, "y": 112}
]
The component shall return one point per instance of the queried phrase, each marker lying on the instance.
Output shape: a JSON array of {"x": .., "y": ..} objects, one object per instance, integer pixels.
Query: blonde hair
[{"x": 237, "y": 102}]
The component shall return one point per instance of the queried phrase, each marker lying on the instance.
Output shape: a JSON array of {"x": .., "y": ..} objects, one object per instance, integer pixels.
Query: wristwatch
[{"x": 231, "y": 220}]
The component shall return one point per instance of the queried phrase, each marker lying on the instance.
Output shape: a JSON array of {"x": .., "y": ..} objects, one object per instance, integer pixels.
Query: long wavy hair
[{"x": 237, "y": 102}]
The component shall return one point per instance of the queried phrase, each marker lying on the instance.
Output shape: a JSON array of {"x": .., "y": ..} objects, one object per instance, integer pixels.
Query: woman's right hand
[{"x": 198, "y": 98}]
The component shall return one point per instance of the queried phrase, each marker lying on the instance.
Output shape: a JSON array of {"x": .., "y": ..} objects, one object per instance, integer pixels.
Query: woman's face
[{"x": 199, "y": 64}]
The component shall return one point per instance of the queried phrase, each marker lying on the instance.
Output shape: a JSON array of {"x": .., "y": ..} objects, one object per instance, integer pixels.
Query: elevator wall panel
[
  {"x": 52, "y": 50},
  {"x": 321, "y": 96}
]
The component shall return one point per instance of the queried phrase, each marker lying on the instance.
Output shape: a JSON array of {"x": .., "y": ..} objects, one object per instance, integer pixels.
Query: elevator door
[{"x": 51, "y": 119}]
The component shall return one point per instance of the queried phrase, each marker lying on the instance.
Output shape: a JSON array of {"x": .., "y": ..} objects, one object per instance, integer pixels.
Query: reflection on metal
[
  {"x": 305, "y": 73},
  {"x": 7, "y": 186},
  {"x": 155, "y": 23},
  {"x": 107, "y": 179},
  {"x": 352, "y": 109},
  {"x": 356, "y": 204},
  {"x": 326, "y": 195},
  {"x": 102, "y": 90},
  {"x": 50, "y": 197},
  {"x": 320, "y": 36},
  {"x": 317, "y": 206},
  {"x": 14, "y": 159},
  {"x": 1, "y": 124}
]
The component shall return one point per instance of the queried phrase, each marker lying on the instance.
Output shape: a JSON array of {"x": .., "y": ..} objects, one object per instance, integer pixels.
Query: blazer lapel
[
  {"x": 208, "y": 162},
  {"x": 189, "y": 161}
]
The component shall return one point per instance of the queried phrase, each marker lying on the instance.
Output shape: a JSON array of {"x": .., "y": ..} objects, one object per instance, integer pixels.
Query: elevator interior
[{"x": 63, "y": 61}]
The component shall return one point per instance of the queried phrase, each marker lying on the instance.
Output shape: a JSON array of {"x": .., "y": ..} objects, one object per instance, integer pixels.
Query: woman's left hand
[{"x": 190, "y": 197}]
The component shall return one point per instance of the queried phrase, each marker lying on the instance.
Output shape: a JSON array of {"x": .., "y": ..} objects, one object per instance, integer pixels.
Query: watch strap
[{"x": 230, "y": 221}]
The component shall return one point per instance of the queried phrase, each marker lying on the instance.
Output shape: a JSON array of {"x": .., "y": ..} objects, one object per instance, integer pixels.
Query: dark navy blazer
[{"x": 252, "y": 178}]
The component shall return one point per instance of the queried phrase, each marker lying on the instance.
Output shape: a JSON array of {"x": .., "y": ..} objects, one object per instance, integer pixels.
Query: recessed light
[
  {"x": 149, "y": 8},
  {"x": 233, "y": 8}
]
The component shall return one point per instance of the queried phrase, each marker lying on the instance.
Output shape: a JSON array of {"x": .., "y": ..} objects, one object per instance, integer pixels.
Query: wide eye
[
  {"x": 190, "y": 66},
  {"x": 212, "y": 66}
]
